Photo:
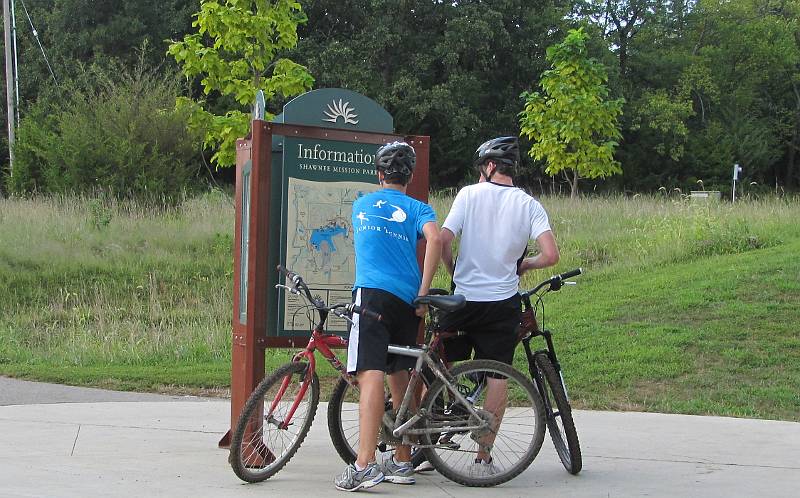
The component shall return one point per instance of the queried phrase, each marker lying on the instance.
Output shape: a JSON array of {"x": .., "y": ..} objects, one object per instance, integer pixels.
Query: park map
[{"x": 319, "y": 245}]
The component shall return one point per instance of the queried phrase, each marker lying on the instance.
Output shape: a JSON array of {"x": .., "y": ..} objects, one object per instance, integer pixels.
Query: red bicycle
[{"x": 278, "y": 414}]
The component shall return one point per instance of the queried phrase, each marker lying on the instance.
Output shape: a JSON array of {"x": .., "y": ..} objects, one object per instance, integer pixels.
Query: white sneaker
[
  {"x": 353, "y": 480},
  {"x": 481, "y": 469},
  {"x": 425, "y": 466}
]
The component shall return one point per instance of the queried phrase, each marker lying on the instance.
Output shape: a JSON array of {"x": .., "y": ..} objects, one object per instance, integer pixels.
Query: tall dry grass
[
  {"x": 95, "y": 280},
  {"x": 92, "y": 280},
  {"x": 617, "y": 233}
]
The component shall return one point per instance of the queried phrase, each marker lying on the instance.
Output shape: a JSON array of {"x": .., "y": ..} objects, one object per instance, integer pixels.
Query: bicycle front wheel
[
  {"x": 507, "y": 424},
  {"x": 559, "y": 414},
  {"x": 274, "y": 422},
  {"x": 343, "y": 420}
]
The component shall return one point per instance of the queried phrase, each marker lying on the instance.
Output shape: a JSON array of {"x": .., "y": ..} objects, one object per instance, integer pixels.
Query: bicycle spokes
[{"x": 475, "y": 419}]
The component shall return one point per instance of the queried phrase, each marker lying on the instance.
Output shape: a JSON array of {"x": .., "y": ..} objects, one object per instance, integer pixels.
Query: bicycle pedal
[{"x": 447, "y": 442}]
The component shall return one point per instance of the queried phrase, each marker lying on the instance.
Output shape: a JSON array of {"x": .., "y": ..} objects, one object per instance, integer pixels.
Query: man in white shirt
[{"x": 496, "y": 220}]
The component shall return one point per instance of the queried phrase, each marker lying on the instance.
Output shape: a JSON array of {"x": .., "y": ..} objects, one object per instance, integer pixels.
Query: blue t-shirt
[{"x": 387, "y": 225}]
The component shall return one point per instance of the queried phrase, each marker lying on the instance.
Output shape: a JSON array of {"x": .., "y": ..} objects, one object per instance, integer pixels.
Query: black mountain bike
[{"x": 545, "y": 370}]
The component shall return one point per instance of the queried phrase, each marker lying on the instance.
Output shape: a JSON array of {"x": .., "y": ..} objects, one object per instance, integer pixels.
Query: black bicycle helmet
[
  {"x": 503, "y": 150},
  {"x": 396, "y": 158}
]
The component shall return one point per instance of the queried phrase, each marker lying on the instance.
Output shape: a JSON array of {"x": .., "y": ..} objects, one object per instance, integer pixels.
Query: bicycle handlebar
[
  {"x": 354, "y": 308},
  {"x": 299, "y": 284},
  {"x": 571, "y": 273},
  {"x": 555, "y": 282},
  {"x": 294, "y": 277}
]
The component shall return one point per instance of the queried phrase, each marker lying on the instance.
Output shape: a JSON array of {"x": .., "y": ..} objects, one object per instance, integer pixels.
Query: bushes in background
[{"x": 115, "y": 129}]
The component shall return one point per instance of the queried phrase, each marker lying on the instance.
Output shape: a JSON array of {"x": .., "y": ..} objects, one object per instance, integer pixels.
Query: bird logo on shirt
[{"x": 397, "y": 216}]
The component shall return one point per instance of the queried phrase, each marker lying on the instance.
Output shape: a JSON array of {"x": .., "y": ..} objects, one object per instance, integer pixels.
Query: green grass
[
  {"x": 716, "y": 336},
  {"x": 95, "y": 282},
  {"x": 686, "y": 308}
]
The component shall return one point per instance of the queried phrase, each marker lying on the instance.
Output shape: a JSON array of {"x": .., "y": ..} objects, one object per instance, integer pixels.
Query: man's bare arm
[
  {"x": 433, "y": 253},
  {"x": 548, "y": 254},
  {"x": 447, "y": 238}
]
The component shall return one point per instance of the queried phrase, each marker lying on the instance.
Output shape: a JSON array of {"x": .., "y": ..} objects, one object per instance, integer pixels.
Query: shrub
[{"x": 115, "y": 129}]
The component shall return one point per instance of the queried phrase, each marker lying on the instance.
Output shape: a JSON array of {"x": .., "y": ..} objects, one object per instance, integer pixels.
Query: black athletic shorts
[
  {"x": 491, "y": 330},
  {"x": 369, "y": 341}
]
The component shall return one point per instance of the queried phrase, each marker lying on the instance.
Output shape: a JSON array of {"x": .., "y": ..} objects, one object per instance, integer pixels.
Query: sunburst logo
[{"x": 338, "y": 109}]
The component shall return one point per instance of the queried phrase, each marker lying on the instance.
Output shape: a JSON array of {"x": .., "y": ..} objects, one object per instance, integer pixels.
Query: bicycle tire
[
  {"x": 453, "y": 455},
  {"x": 564, "y": 436},
  {"x": 342, "y": 427},
  {"x": 255, "y": 460}
]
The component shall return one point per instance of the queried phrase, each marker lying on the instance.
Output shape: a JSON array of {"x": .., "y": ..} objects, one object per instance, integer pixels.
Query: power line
[{"x": 36, "y": 35}]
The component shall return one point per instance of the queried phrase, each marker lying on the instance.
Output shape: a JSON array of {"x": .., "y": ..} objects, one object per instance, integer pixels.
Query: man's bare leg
[
  {"x": 496, "y": 402},
  {"x": 370, "y": 413}
]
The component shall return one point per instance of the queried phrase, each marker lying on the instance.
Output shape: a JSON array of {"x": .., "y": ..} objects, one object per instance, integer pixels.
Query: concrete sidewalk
[{"x": 157, "y": 448}]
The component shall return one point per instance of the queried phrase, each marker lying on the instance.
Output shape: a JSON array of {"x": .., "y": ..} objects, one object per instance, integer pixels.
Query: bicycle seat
[{"x": 446, "y": 303}]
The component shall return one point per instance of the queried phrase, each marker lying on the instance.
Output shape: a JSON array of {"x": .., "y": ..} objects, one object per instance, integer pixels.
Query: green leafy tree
[
  {"x": 620, "y": 20},
  {"x": 236, "y": 52},
  {"x": 573, "y": 124},
  {"x": 410, "y": 56},
  {"x": 665, "y": 116}
]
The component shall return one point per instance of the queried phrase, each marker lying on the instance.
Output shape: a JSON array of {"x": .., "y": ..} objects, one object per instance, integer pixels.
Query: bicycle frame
[
  {"x": 424, "y": 358},
  {"x": 318, "y": 341},
  {"x": 537, "y": 332}
]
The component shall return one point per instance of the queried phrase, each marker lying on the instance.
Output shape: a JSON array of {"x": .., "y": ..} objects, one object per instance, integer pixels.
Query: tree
[
  {"x": 748, "y": 55},
  {"x": 237, "y": 51},
  {"x": 412, "y": 58},
  {"x": 573, "y": 125},
  {"x": 621, "y": 20}
]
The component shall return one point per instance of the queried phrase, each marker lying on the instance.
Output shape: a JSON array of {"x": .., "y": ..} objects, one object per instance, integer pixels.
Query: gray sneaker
[
  {"x": 353, "y": 480},
  {"x": 398, "y": 473}
]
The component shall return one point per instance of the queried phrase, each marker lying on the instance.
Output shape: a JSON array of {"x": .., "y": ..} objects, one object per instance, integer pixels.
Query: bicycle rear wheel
[
  {"x": 343, "y": 425},
  {"x": 559, "y": 414},
  {"x": 274, "y": 422},
  {"x": 454, "y": 436}
]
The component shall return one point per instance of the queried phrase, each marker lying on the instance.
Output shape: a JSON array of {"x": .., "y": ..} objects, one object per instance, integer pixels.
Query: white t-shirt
[{"x": 495, "y": 222}]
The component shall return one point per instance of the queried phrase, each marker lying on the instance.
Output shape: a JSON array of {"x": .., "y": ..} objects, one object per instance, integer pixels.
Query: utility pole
[{"x": 10, "y": 83}]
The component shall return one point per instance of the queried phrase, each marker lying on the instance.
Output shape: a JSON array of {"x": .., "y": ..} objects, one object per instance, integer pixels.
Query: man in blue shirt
[{"x": 387, "y": 225}]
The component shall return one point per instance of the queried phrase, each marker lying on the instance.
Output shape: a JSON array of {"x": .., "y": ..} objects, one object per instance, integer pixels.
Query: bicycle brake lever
[
  {"x": 569, "y": 282},
  {"x": 290, "y": 289},
  {"x": 343, "y": 315}
]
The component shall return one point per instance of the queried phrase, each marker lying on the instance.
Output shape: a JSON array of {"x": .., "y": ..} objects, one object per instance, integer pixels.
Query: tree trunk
[
  {"x": 788, "y": 179},
  {"x": 573, "y": 183},
  {"x": 623, "y": 53}
]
